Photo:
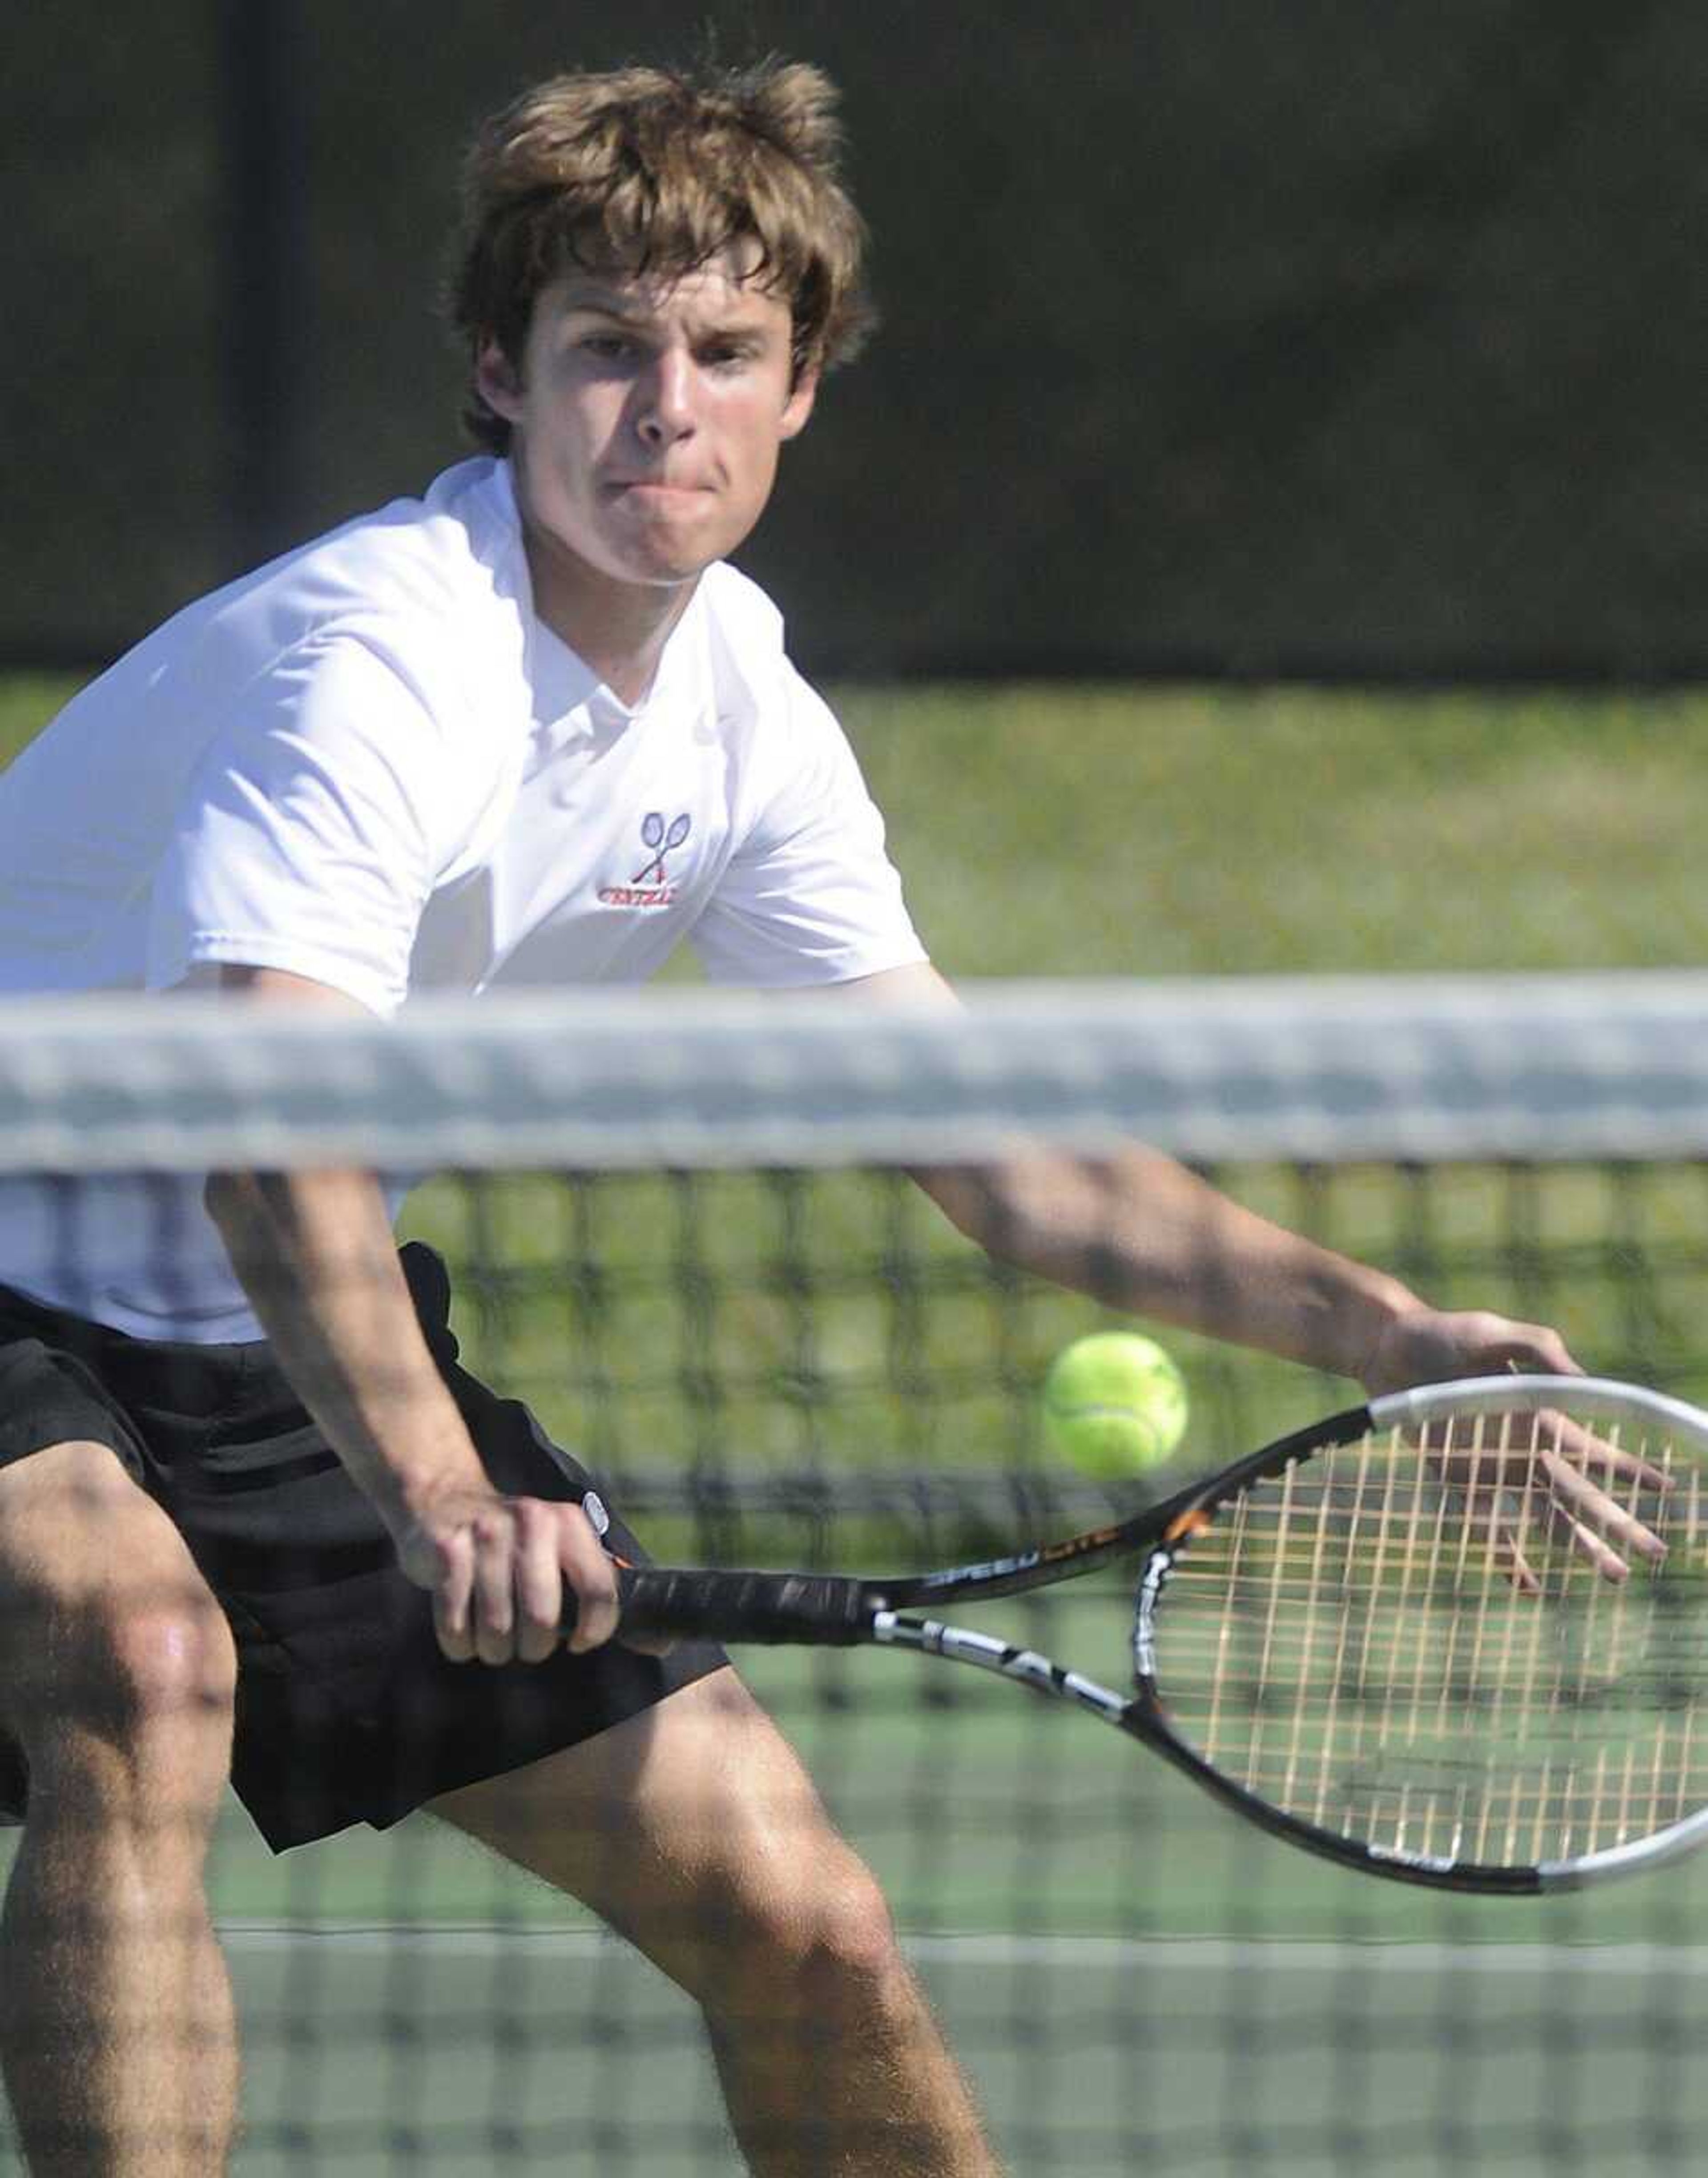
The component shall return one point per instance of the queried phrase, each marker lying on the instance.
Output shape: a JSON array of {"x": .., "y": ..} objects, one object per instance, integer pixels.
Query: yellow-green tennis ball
[{"x": 1114, "y": 1404}]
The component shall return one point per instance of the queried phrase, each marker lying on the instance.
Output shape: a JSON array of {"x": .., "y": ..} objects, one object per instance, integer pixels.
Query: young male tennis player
[{"x": 254, "y": 1521}]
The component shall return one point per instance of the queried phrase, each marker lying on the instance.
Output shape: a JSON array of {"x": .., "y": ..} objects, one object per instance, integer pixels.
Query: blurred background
[{"x": 1336, "y": 342}]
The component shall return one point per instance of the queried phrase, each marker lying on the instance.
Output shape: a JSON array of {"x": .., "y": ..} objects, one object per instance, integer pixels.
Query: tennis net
[{"x": 679, "y": 1227}]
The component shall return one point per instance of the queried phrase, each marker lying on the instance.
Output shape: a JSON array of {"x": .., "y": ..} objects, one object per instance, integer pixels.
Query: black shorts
[{"x": 347, "y": 1711}]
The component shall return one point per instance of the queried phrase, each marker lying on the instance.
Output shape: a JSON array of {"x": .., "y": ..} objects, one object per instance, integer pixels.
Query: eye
[{"x": 729, "y": 354}]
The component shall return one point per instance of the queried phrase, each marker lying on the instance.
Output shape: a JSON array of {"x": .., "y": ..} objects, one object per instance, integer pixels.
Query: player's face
[{"x": 648, "y": 416}]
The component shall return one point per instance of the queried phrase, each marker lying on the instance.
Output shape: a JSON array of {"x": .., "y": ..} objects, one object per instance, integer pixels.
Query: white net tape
[{"x": 1332, "y": 1069}]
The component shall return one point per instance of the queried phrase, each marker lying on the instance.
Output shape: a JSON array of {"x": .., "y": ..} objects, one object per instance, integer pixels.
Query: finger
[
  {"x": 1584, "y": 1541},
  {"x": 1556, "y": 1494},
  {"x": 1502, "y": 1512},
  {"x": 591, "y": 1576},
  {"x": 1592, "y": 1507},
  {"x": 1511, "y": 1562},
  {"x": 539, "y": 1583},
  {"x": 1583, "y": 1450},
  {"x": 1555, "y": 1433},
  {"x": 452, "y": 1597},
  {"x": 1535, "y": 1350},
  {"x": 495, "y": 1602},
  {"x": 1549, "y": 1457},
  {"x": 1600, "y": 1553}
]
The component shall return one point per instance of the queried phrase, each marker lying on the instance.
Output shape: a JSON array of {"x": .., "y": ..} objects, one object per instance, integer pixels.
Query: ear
[
  {"x": 799, "y": 405},
  {"x": 498, "y": 381}
]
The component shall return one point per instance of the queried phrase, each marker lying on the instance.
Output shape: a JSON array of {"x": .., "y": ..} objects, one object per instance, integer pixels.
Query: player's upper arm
[
  {"x": 961, "y": 1192},
  {"x": 229, "y": 1194}
]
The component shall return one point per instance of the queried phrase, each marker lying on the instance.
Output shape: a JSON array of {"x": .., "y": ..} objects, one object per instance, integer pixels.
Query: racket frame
[{"x": 844, "y": 1611}]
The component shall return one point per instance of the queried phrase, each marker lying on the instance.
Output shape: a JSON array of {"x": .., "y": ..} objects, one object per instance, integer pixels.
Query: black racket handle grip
[{"x": 808, "y": 1610}]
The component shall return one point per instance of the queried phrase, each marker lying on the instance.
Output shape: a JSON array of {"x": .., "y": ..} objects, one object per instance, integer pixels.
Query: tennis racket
[{"x": 1384, "y": 1637}]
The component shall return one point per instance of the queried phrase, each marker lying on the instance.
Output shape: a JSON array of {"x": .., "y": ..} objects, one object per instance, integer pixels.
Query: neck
[{"x": 617, "y": 629}]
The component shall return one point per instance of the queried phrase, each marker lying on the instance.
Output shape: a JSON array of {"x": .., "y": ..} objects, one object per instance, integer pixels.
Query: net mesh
[{"x": 678, "y": 1227}]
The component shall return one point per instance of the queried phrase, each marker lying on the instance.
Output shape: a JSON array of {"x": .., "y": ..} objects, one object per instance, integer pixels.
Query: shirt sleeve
[
  {"x": 810, "y": 895},
  {"x": 308, "y": 837}
]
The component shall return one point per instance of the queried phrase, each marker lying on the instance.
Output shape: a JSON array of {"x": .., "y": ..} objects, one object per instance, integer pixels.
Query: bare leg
[
  {"x": 117, "y": 2035},
  {"x": 695, "y": 1832}
]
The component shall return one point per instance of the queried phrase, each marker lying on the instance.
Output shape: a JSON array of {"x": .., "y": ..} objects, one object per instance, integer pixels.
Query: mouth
[{"x": 661, "y": 489}]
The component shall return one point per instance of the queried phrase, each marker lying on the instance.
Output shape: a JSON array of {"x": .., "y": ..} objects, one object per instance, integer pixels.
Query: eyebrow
[
  {"x": 597, "y": 300},
  {"x": 603, "y": 302}
]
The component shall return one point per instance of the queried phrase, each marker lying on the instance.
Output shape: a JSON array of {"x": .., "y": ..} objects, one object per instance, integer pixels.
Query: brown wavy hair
[{"x": 653, "y": 171}]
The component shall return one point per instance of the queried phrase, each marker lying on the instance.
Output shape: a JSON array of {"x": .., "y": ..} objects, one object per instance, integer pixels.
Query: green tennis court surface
[
  {"x": 1130, "y": 1975},
  {"x": 1213, "y": 2056}
]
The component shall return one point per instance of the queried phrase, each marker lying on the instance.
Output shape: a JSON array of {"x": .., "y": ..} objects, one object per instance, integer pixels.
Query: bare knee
[
  {"x": 143, "y": 1728},
  {"x": 156, "y": 1664},
  {"x": 118, "y": 1667},
  {"x": 806, "y": 1928}
]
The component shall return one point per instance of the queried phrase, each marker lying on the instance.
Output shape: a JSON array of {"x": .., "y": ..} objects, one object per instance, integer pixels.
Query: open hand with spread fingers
[{"x": 1526, "y": 1476}]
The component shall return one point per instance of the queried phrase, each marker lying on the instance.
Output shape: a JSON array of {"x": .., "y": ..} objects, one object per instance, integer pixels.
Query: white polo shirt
[{"x": 370, "y": 763}]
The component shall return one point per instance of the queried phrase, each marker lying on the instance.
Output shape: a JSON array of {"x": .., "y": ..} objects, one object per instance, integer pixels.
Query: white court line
[{"x": 1123, "y": 1954}]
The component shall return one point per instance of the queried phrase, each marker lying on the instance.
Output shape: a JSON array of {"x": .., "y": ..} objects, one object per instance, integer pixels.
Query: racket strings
[{"x": 1350, "y": 1640}]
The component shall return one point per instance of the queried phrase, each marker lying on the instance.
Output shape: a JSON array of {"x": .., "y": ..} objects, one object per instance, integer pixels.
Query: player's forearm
[
  {"x": 1139, "y": 1232},
  {"x": 316, "y": 1256}
]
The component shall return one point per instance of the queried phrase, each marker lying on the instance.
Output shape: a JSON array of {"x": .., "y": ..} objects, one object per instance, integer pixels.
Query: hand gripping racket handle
[{"x": 816, "y": 1610}]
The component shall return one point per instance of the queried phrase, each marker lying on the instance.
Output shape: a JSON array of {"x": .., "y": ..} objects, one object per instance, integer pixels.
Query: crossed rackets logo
[{"x": 654, "y": 835}]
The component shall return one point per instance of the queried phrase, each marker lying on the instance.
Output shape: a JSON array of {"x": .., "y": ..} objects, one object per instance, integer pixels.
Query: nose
[{"x": 665, "y": 395}]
